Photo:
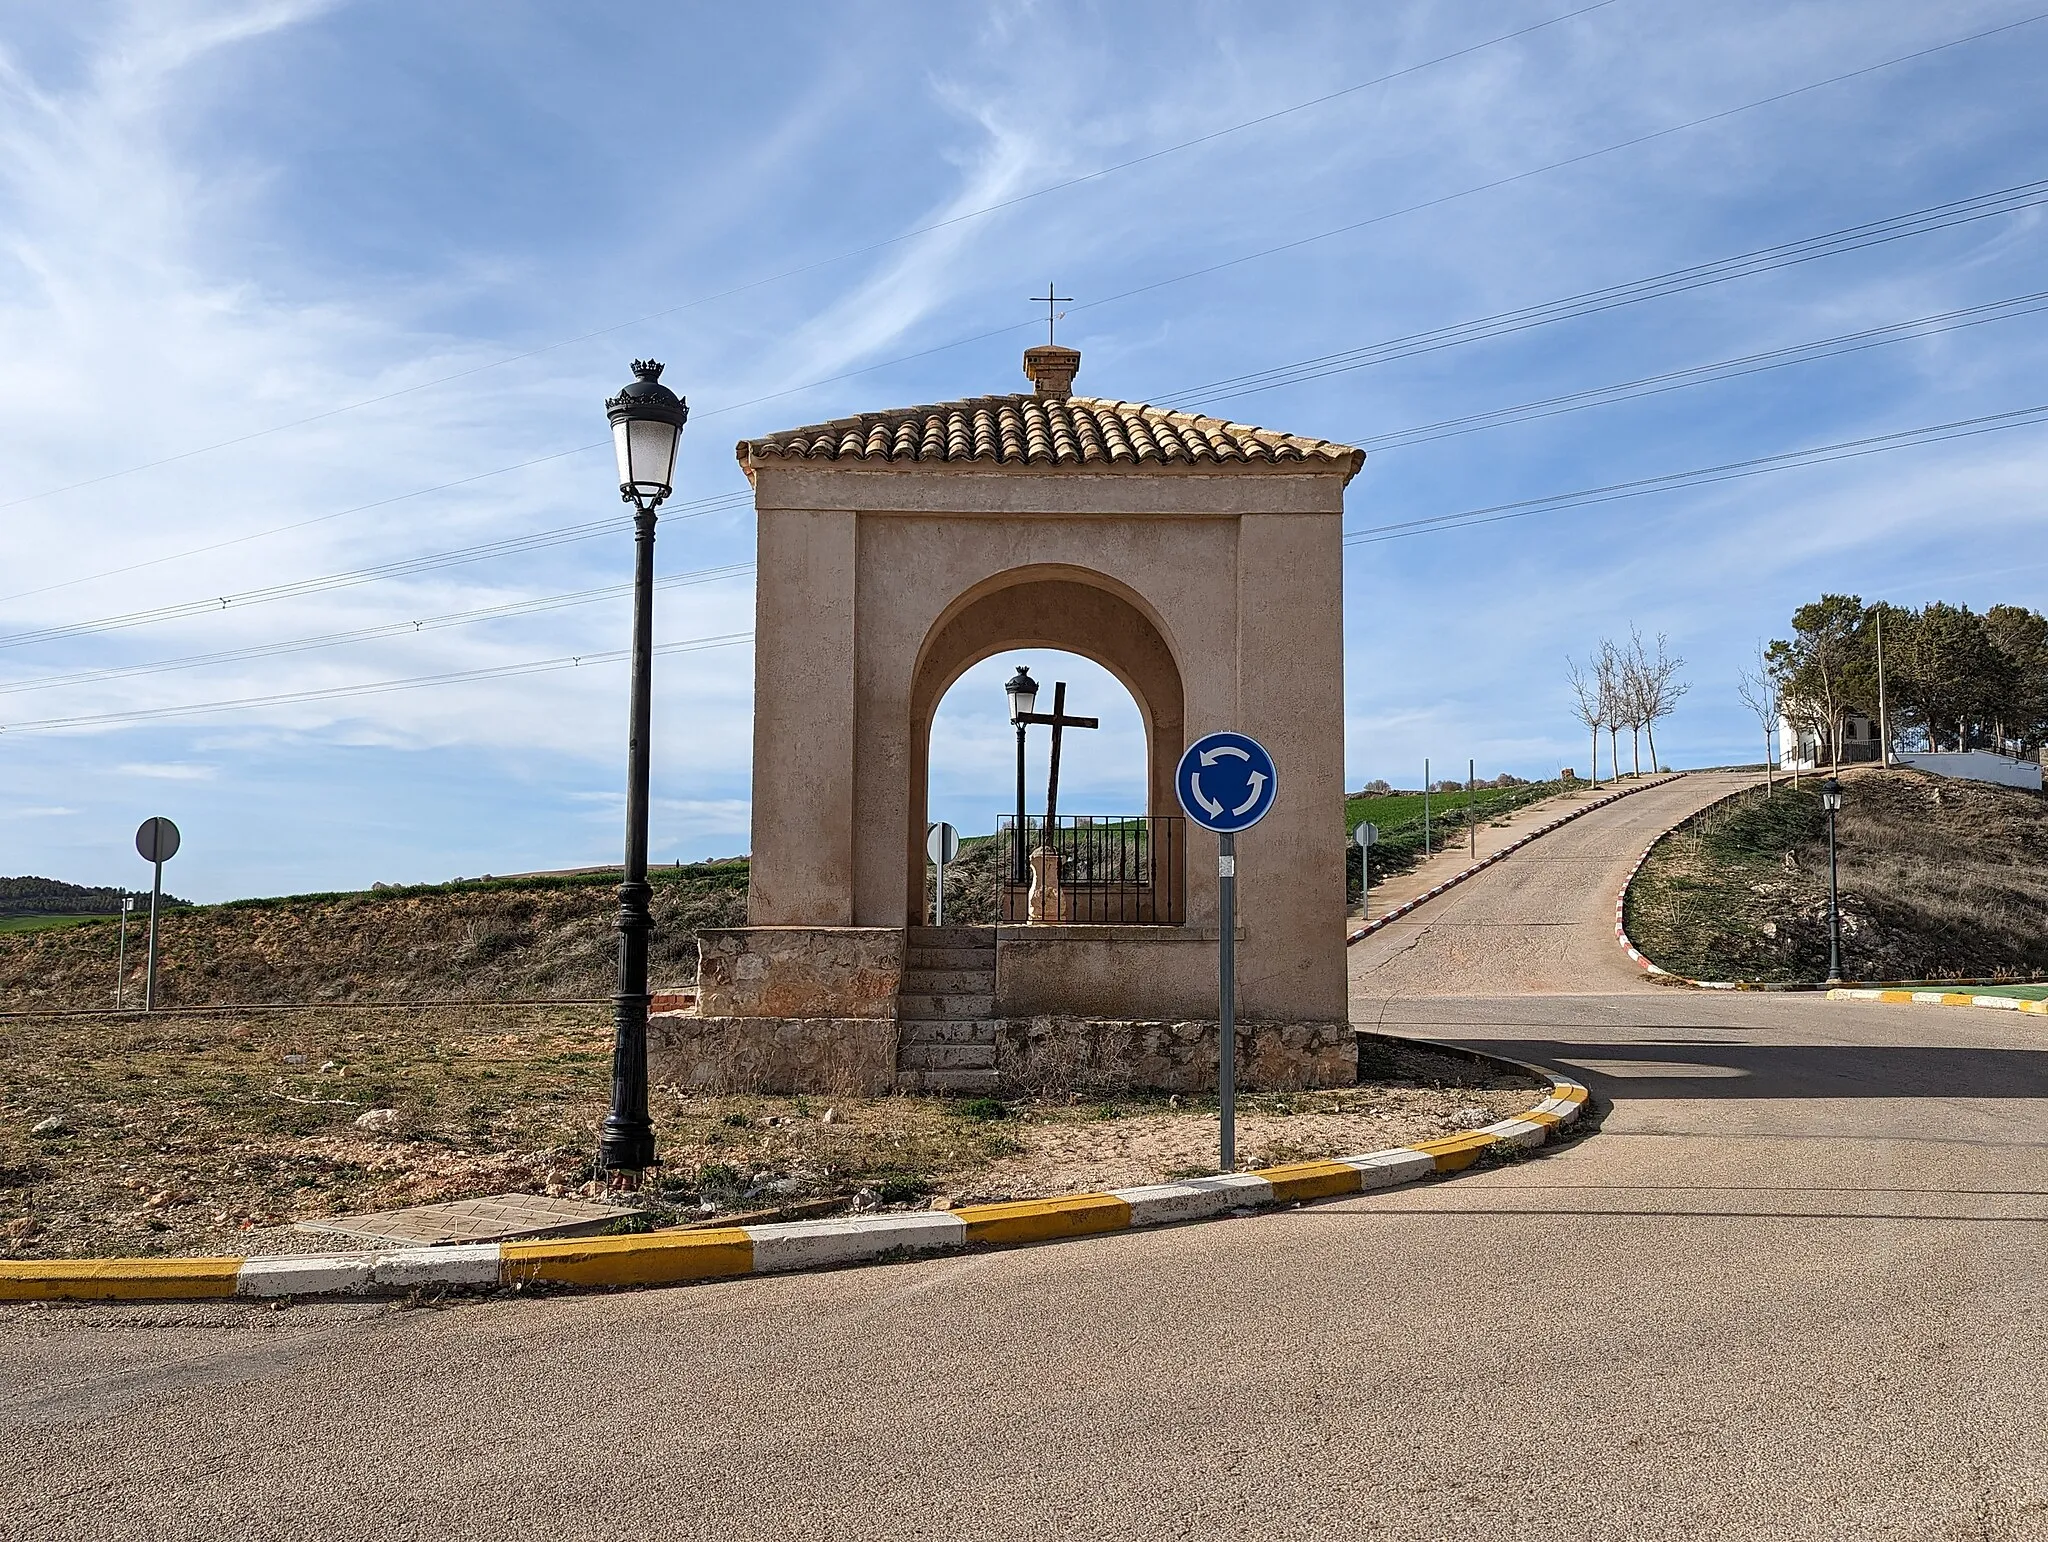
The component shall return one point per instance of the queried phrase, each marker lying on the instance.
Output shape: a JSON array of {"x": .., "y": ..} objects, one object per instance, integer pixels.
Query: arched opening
[{"x": 1067, "y": 611}]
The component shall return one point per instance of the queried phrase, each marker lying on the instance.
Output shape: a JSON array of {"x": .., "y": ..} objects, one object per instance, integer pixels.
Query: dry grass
[
  {"x": 1939, "y": 879},
  {"x": 546, "y": 939},
  {"x": 209, "y": 1134}
]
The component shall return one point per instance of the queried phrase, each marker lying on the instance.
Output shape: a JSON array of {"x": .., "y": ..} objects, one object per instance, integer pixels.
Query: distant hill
[{"x": 54, "y": 897}]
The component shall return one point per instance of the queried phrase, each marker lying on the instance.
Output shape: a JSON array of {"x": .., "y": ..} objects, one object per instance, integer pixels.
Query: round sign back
[
  {"x": 157, "y": 840},
  {"x": 942, "y": 843}
]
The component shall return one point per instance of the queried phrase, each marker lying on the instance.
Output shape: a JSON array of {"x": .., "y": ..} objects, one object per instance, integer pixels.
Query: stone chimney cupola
[{"x": 1051, "y": 370}]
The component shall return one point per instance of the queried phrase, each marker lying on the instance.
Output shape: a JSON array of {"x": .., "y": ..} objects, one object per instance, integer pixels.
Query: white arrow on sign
[
  {"x": 1258, "y": 780},
  {"x": 1210, "y": 757},
  {"x": 1201, "y": 797}
]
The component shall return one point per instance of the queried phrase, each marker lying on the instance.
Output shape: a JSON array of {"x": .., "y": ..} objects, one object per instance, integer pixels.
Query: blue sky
[{"x": 216, "y": 220}]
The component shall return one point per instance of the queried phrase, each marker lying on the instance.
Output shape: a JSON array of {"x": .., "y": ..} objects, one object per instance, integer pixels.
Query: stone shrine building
[{"x": 1200, "y": 563}]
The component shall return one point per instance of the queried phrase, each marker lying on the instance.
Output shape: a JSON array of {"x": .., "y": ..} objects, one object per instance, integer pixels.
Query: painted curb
[
  {"x": 1889, "y": 989},
  {"x": 1936, "y": 999},
  {"x": 672, "y": 1258},
  {"x": 1484, "y": 863}
]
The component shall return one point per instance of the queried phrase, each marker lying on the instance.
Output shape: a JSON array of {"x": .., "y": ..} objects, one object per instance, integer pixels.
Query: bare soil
[
  {"x": 214, "y": 1133},
  {"x": 1939, "y": 879}
]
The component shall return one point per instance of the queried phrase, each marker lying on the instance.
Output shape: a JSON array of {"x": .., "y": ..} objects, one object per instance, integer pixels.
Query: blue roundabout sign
[{"x": 1226, "y": 782}]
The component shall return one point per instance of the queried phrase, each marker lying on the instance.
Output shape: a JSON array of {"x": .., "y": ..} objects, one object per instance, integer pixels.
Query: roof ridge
[{"x": 1021, "y": 428}]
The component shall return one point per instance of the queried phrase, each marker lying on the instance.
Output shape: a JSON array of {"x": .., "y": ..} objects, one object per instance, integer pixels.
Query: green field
[
  {"x": 1399, "y": 816},
  {"x": 45, "y": 923}
]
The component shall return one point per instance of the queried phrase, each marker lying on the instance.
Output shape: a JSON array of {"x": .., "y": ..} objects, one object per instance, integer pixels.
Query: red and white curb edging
[
  {"x": 1455, "y": 879},
  {"x": 1621, "y": 907},
  {"x": 674, "y": 1257}
]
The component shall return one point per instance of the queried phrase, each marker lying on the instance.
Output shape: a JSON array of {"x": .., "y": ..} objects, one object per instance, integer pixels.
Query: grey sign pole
[
  {"x": 1226, "y": 782},
  {"x": 942, "y": 845},
  {"x": 156, "y": 842},
  {"x": 1226, "y": 1029},
  {"x": 121, "y": 957}
]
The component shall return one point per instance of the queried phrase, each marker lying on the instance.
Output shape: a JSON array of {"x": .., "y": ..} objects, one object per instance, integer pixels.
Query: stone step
[
  {"x": 948, "y": 1031},
  {"x": 950, "y": 958},
  {"x": 948, "y": 982},
  {"x": 946, "y": 1057},
  {"x": 949, "y": 1007},
  {"x": 950, "y": 936},
  {"x": 947, "y": 1081}
]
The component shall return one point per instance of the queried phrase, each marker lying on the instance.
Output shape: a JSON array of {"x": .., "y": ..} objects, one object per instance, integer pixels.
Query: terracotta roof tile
[{"x": 1027, "y": 430}]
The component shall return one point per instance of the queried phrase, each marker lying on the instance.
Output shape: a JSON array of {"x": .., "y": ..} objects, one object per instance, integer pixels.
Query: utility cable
[
  {"x": 1832, "y": 243},
  {"x": 1812, "y": 455},
  {"x": 373, "y": 688},
  {"x": 844, "y": 256},
  {"x": 371, "y": 633},
  {"x": 1707, "y": 374},
  {"x": 538, "y": 540}
]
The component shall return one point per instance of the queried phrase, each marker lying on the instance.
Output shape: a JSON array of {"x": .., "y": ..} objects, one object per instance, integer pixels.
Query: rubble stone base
[
  {"x": 1085, "y": 1054},
  {"x": 853, "y": 1056}
]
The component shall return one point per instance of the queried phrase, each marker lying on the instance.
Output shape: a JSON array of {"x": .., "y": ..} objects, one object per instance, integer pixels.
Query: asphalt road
[{"x": 1790, "y": 1289}]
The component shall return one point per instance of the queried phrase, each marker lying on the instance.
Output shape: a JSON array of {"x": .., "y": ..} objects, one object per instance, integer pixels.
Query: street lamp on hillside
[
  {"x": 647, "y": 422},
  {"x": 1831, "y": 800}
]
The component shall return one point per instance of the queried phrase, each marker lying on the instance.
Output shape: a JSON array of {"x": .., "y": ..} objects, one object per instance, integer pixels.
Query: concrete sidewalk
[{"x": 1494, "y": 836}]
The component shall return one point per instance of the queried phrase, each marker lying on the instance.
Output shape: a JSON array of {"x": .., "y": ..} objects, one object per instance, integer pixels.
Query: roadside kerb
[
  {"x": 1484, "y": 863},
  {"x": 676, "y": 1257},
  {"x": 1890, "y": 990},
  {"x": 1935, "y": 998}
]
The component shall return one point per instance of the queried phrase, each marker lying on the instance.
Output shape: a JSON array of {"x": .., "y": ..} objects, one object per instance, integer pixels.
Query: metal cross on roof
[{"x": 1049, "y": 299}]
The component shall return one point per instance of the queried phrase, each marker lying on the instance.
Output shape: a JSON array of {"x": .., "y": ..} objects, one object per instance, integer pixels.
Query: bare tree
[
  {"x": 1658, "y": 690},
  {"x": 1759, "y": 693},
  {"x": 1613, "y": 700},
  {"x": 1629, "y": 701},
  {"x": 1590, "y": 705}
]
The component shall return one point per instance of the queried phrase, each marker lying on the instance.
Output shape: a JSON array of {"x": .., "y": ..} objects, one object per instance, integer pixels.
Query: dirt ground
[
  {"x": 1938, "y": 878},
  {"x": 214, "y": 1133}
]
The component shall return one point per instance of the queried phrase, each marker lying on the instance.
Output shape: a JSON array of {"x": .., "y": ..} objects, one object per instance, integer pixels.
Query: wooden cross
[
  {"x": 1050, "y": 300},
  {"x": 1058, "y": 720}
]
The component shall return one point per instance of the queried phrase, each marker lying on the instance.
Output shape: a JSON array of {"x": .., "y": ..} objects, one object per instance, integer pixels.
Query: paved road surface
[{"x": 1791, "y": 1290}]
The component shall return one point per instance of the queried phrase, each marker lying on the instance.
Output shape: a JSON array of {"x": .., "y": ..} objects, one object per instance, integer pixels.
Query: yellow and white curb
[
  {"x": 677, "y": 1257},
  {"x": 1937, "y": 999},
  {"x": 1508, "y": 850}
]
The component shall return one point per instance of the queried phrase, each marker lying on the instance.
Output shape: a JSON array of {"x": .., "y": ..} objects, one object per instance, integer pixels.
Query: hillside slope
[
  {"x": 503, "y": 939},
  {"x": 1940, "y": 879}
]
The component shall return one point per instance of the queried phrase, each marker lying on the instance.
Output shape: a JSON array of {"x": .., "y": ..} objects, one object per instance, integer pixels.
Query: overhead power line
[
  {"x": 1812, "y": 455},
  {"x": 373, "y": 688},
  {"x": 1944, "y": 216},
  {"x": 537, "y": 540},
  {"x": 1707, "y": 374},
  {"x": 371, "y": 633},
  {"x": 823, "y": 262},
  {"x": 301, "y": 524}
]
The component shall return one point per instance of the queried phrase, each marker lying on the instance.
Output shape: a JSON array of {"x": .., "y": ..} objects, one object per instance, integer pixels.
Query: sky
[{"x": 299, "y": 301}]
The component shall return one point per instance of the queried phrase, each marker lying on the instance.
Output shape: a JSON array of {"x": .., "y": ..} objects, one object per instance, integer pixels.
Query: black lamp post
[
  {"x": 647, "y": 421},
  {"x": 1023, "y": 693},
  {"x": 1831, "y": 800}
]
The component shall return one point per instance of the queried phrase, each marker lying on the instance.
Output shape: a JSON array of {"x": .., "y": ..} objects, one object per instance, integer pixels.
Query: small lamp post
[
  {"x": 1023, "y": 693},
  {"x": 647, "y": 422},
  {"x": 1831, "y": 800}
]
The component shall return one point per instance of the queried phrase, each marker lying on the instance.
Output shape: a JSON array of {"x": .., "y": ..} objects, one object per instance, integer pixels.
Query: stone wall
[
  {"x": 799, "y": 971},
  {"x": 1085, "y": 1054},
  {"x": 848, "y": 1056}
]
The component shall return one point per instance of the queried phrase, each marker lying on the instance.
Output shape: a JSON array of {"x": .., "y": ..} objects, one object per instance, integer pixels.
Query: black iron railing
[{"x": 1093, "y": 870}]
